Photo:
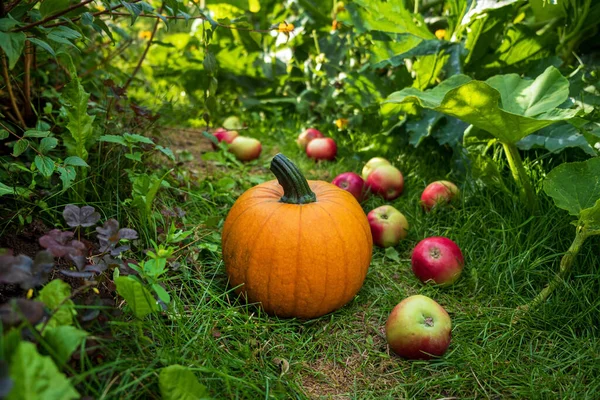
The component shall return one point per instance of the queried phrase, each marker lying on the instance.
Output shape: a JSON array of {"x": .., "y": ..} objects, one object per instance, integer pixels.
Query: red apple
[
  {"x": 439, "y": 192},
  {"x": 321, "y": 149},
  {"x": 388, "y": 226},
  {"x": 372, "y": 164},
  {"x": 223, "y": 135},
  {"x": 437, "y": 259},
  {"x": 386, "y": 181},
  {"x": 418, "y": 328},
  {"x": 353, "y": 183},
  {"x": 245, "y": 148},
  {"x": 307, "y": 136}
]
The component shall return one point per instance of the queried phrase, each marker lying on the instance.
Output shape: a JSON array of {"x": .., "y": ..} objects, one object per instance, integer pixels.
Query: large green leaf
[
  {"x": 13, "y": 44},
  {"x": 138, "y": 298},
  {"x": 36, "y": 376},
  {"x": 392, "y": 17},
  {"x": 56, "y": 297},
  {"x": 64, "y": 340},
  {"x": 177, "y": 382},
  {"x": 80, "y": 126},
  {"x": 575, "y": 187},
  {"x": 506, "y": 106},
  {"x": 556, "y": 138},
  {"x": 393, "y": 53}
]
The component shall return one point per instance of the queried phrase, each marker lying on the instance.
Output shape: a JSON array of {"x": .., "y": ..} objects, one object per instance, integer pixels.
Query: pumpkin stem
[{"x": 295, "y": 186}]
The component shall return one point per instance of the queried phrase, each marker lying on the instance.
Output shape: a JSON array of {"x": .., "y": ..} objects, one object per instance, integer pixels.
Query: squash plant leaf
[
  {"x": 64, "y": 340},
  {"x": 556, "y": 138},
  {"x": 138, "y": 298},
  {"x": 506, "y": 106},
  {"x": 56, "y": 296},
  {"x": 36, "y": 377},
  {"x": 177, "y": 382},
  {"x": 575, "y": 187}
]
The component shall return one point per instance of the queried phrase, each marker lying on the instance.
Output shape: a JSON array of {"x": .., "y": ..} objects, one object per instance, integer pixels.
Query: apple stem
[
  {"x": 295, "y": 186},
  {"x": 566, "y": 263}
]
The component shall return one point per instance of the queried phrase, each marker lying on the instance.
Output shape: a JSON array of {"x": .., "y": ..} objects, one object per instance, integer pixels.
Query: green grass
[{"x": 238, "y": 352}]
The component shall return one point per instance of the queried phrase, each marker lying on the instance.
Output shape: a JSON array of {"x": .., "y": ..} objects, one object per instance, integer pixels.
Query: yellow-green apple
[
  {"x": 307, "y": 136},
  {"x": 245, "y": 148},
  {"x": 418, "y": 328},
  {"x": 372, "y": 164},
  {"x": 437, "y": 259},
  {"x": 321, "y": 149},
  {"x": 439, "y": 192},
  {"x": 388, "y": 226},
  {"x": 386, "y": 181},
  {"x": 352, "y": 183},
  {"x": 224, "y": 135}
]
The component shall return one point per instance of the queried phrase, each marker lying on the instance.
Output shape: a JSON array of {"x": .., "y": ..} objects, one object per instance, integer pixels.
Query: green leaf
[
  {"x": 556, "y": 138},
  {"x": 404, "y": 46},
  {"x": 63, "y": 340},
  {"x": 36, "y": 133},
  {"x": 43, "y": 45},
  {"x": 80, "y": 123},
  {"x": 16, "y": 191},
  {"x": 162, "y": 293},
  {"x": 20, "y": 147},
  {"x": 67, "y": 175},
  {"x": 75, "y": 161},
  {"x": 167, "y": 151},
  {"x": 421, "y": 128},
  {"x": 45, "y": 165},
  {"x": 591, "y": 217},
  {"x": 4, "y": 134},
  {"x": 113, "y": 139},
  {"x": 392, "y": 254},
  {"x": 506, "y": 106},
  {"x": 575, "y": 187},
  {"x": 177, "y": 382},
  {"x": 50, "y": 7},
  {"x": 137, "y": 156},
  {"x": 36, "y": 376},
  {"x": 13, "y": 44},
  {"x": 47, "y": 144},
  {"x": 135, "y": 138},
  {"x": 56, "y": 296},
  {"x": 138, "y": 298}
]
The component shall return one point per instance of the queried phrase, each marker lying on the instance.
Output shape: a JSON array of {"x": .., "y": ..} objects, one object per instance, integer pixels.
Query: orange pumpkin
[{"x": 300, "y": 248}]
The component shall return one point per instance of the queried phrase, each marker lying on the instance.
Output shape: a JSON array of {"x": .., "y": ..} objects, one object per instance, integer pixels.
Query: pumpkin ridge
[
  {"x": 298, "y": 258},
  {"x": 260, "y": 230},
  {"x": 367, "y": 233},
  {"x": 223, "y": 238},
  {"x": 345, "y": 279}
]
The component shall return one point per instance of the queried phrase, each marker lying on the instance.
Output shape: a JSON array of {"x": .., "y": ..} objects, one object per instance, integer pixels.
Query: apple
[
  {"x": 372, "y": 164},
  {"x": 321, "y": 149},
  {"x": 418, "y": 328},
  {"x": 439, "y": 192},
  {"x": 223, "y": 135},
  {"x": 386, "y": 181},
  {"x": 352, "y": 183},
  {"x": 437, "y": 259},
  {"x": 245, "y": 148},
  {"x": 307, "y": 136},
  {"x": 388, "y": 226}
]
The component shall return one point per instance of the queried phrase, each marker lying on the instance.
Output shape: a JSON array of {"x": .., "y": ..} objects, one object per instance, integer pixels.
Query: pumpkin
[{"x": 299, "y": 248}]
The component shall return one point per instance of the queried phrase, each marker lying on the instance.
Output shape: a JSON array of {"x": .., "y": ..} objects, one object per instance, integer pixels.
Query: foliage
[{"x": 178, "y": 382}]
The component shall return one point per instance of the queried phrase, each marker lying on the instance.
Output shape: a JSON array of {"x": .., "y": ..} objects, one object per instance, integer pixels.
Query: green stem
[
  {"x": 566, "y": 263},
  {"x": 520, "y": 175},
  {"x": 295, "y": 186}
]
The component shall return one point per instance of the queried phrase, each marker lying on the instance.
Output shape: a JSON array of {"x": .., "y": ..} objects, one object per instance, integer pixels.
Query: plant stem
[
  {"x": 295, "y": 186},
  {"x": 28, "y": 58},
  {"x": 566, "y": 263},
  {"x": 520, "y": 175},
  {"x": 54, "y": 16},
  {"x": 11, "y": 94}
]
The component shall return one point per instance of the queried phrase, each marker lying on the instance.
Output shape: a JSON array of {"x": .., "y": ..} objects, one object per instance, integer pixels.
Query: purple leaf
[
  {"x": 19, "y": 310},
  {"x": 85, "y": 216},
  {"x": 126, "y": 233},
  {"x": 77, "y": 274},
  {"x": 56, "y": 242}
]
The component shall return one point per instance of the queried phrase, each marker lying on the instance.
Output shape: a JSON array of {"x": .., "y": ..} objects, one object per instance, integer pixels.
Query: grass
[{"x": 238, "y": 352}]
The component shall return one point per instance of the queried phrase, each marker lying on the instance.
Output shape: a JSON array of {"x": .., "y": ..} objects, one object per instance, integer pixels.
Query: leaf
[
  {"x": 163, "y": 295},
  {"x": 80, "y": 126},
  {"x": 392, "y": 254},
  {"x": 36, "y": 376},
  {"x": 110, "y": 235},
  {"x": 67, "y": 175},
  {"x": 591, "y": 217},
  {"x": 394, "y": 52},
  {"x": 47, "y": 144},
  {"x": 36, "y": 133},
  {"x": 75, "y": 161},
  {"x": 85, "y": 216},
  {"x": 43, "y": 45},
  {"x": 167, "y": 151},
  {"x": 138, "y": 298},
  {"x": 20, "y": 147},
  {"x": 575, "y": 186},
  {"x": 45, "y": 165},
  {"x": 13, "y": 44},
  {"x": 23, "y": 271},
  {"x": 113, "y": 139},
  {"x": 556, "y": 138},
  {"x": 421, "y": 128},
  {"x": 50, "y": 7},
  {"x": 63, "y": 340},
  {"x": 6, "y": 383},
  {"x": 506, "y": 106},
  {"x": 16, "y": 311},
  {"x": 135, "y": 138},
  {"x": 177, "y": 382},
  {"x": 56, "y": 296}
]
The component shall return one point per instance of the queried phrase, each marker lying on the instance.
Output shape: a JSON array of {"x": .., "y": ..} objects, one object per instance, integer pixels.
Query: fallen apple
[
  {"x": 321, "y": 149},
  {"x": 224, "y": 135},
  {"x": 437, "y": 259},
  {"x": 386, "y": 181},
  {"x": 439, "y": 192},
  {"x": 372, "y": 164},
  {"x": 307, "y": 136},
  {"x": 245, "y": 148},
  {"x": 388, "y": 226},
  {"x": 418, "y": 328},
  {"x": 352, "y": 183}
]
